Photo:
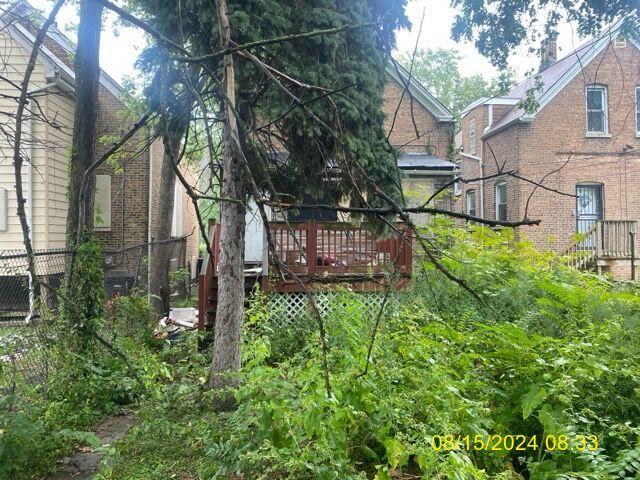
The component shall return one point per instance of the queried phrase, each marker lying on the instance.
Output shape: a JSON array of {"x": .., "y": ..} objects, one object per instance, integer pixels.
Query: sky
[{"x": 119, "y": 49}]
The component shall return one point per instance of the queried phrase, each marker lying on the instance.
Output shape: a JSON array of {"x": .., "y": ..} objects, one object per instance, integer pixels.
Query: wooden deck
[
  {"x": 605, "y": 241},
  {"x": 318, "y": 256}
]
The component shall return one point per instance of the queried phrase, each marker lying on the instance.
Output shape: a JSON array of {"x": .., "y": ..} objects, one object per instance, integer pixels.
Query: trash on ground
[{"x": 178, "y": 321}]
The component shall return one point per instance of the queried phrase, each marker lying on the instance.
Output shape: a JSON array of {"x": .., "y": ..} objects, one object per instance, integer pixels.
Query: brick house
[
  {"x": 127, "y": 194},
  {"x": 422, "y": 129},
  {"x": 581, "y": 144}
]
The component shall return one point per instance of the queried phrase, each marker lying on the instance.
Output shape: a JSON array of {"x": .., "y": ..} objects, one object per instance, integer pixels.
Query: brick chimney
[{"x": 548, "y": 51}]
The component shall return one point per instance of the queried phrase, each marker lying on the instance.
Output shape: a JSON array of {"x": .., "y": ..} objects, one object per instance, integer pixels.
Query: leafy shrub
[{"x": 547, "y": 351}]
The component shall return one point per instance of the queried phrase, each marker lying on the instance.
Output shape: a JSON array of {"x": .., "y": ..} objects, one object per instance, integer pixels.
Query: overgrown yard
[{"x": 539, "y": 379}]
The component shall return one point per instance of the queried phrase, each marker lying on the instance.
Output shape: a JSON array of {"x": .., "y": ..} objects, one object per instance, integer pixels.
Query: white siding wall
[
  {"x": 47, "y": 146},
  {"x": 59, "y": 144}
]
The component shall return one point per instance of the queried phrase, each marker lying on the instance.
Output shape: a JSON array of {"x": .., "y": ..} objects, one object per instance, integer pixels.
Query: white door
[{"x": 255, "y": 238}]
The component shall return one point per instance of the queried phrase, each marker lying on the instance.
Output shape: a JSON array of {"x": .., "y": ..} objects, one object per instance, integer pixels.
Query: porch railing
[
  {"x": 616, "y": 238},
  {"x": 604, "y": 240},
  {"x": 320, "y": 248}
]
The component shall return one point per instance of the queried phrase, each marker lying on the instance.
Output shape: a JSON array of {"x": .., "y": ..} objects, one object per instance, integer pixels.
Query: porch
[
  {"x": 318, "y": 256},
  {"x": 605, "y": 245}
]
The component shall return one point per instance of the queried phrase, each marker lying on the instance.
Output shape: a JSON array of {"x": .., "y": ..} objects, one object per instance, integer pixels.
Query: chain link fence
[{"x": 28, "y": 308}]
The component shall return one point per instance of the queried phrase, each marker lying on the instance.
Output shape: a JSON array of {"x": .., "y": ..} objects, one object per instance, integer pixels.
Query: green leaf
[
  {"x": 533, "y": 399},
  {"x": 396, "y": 452}
]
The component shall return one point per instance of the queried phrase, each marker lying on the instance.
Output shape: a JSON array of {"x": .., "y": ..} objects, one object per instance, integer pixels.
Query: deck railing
[
  {"x": 605, "y": 240},
  {"x": 616, "y": 238},
  {"x": 319, "y": 248}
]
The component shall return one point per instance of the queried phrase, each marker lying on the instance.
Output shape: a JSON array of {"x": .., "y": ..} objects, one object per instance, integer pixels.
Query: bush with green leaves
[
  {"x": 87, "y": 375},
  {"x": 545, "y": 351}
]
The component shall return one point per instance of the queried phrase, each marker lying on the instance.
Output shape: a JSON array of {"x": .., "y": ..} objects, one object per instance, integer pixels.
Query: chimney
[{"x": 548, "y": 51}]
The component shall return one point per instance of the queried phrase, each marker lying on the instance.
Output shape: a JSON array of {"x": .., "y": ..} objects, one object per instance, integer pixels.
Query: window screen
[{"x": 102, "y": 207}]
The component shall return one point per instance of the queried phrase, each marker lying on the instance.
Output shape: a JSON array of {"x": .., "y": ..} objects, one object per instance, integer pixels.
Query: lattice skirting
[{"x": 284, "y": 308}]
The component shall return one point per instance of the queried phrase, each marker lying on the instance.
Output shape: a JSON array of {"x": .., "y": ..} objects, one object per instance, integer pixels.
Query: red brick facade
[
  {"x": 415, "y": 129},
  {"x": 554, "y": 148}
]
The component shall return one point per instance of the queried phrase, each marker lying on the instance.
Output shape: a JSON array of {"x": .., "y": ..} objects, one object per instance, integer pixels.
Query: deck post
[
  {"x": 632, "y": 234},
  {"x": 599, "y": 235}
]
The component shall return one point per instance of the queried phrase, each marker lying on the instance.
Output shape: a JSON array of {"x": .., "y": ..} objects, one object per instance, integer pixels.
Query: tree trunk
[
  {"x": 159, "y": 288},
  {"x": 87, "y": 73},
  {"x": 229, "y": 312}
]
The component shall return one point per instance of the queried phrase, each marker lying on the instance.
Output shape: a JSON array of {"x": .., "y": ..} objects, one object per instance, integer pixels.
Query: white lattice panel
[{"x": 284, "y": 308}]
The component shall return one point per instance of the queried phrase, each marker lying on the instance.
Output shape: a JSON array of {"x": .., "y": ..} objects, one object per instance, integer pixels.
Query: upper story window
[
  {"x": 471, "y": 202},
  {"x": 597, "y": 114},
  {"x": 472, "y": 137},
  {"x": 620, "y": 41},
  {"x": 501, "y": 201},
  {"x": 638, "y": 111}
]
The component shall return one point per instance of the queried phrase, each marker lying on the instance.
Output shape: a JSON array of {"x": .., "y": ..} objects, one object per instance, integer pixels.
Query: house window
[
  {"x": 471, "y": 202},
  {"x": 620, "y": 41},
  {"x": 102, "y": 204},
  {"x": 457, "y": 185},
  {"x": 472, "y": 137},
  {"x": 501, "y": 202},
  {"x": 176, "y": 221},
  {"x": 3, "y": 210},
  {"x": 638, "y": 111},
  {"x": 597, "y": 121}
]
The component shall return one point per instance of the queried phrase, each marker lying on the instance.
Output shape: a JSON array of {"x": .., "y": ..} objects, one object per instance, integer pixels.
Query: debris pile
[{"x": 178, "y": 321}]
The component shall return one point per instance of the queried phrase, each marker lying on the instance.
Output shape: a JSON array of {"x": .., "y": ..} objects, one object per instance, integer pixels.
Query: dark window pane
[
  {"x": 502, "y": 212},
  {"x": 595, "y": 121},
  {"x": 594, "y": 99}
]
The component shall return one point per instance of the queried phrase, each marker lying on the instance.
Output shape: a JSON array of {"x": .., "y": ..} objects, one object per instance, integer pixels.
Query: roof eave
[
  {"x": 420, "y": 93},
  {"x": 515, "y": 121},
  {"x": 105, "y": 80}
]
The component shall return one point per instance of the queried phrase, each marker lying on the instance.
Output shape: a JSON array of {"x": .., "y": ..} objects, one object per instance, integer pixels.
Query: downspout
[
  {"x": 481, "y": 164},
  {"x": 43, "y": 88},
  {"x": 481, "y": 160}
]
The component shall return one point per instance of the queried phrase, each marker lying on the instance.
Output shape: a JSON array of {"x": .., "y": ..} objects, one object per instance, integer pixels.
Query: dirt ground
[{"x": 84, "y": 463}]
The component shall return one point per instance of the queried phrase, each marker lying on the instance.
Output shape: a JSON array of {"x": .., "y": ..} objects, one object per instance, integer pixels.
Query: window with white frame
[
  {"x": 472, "y": 137},
  {"x": 176, "y": 220},
  {"x": 620, "y": 41},
  {"x": 471, "y": 202},
  {"x": 638, "y": 111},
  {"x": 501, "y": 201},
  {"x": 597, "y": 121},
  {"x": 102, "y": 204},
  {"x": 3, "y": 210},
  {"x": 457, "y": 185}
]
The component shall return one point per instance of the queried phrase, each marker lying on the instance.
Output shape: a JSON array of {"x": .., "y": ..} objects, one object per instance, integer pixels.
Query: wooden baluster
[{"x": 312, "y": 246}]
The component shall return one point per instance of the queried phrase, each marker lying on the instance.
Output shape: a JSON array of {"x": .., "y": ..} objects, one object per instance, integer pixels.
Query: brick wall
[
  {"x": 557, "y": 134},
  {"x": 415, "y": 128},
  {"x": 129, "y": 176}
]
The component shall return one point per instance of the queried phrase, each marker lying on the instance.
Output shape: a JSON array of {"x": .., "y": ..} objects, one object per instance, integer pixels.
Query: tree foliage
[
  {"x": 438, "y": 70},
  {"x": 498, "y": 29},
  {"x": 329, "y": 130}
]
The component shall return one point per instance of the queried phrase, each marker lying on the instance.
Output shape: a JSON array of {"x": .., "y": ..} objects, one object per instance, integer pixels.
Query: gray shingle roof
[
  {"x": 424, "y": 161},
  {"x": 555, "y": 77}
]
